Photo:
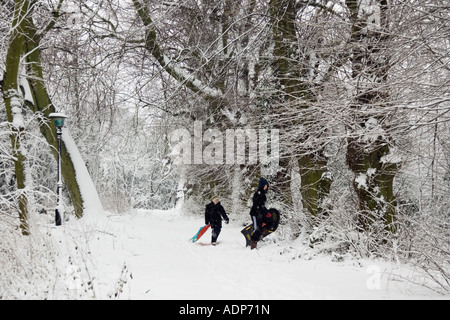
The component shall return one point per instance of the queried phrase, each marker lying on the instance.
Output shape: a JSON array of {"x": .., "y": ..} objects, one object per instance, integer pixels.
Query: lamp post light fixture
[{"x": 58, "y": 118}]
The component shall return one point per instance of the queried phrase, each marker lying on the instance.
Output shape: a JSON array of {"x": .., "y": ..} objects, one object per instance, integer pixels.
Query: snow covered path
[{"x": 162, "y": 264}]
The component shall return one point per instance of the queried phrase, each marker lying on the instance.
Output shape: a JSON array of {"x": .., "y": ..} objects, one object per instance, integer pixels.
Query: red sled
[{"x": 200, "y": 232}]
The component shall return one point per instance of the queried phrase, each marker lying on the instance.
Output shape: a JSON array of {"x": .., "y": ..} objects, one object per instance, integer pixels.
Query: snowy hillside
[{"x": 147, "y": 255}]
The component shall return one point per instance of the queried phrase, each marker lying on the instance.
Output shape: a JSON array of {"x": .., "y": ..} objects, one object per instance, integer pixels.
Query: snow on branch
[{"x": 151, "y": 44}]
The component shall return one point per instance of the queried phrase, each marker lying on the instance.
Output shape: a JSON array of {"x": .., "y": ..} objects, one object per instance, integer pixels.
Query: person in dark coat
[
  {"x": 258, "y": 210},
  {"x": 214, "y": 212}
]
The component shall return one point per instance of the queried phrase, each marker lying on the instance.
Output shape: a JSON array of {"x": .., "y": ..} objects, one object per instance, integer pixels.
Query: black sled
[{"x": 270, "y": 224}]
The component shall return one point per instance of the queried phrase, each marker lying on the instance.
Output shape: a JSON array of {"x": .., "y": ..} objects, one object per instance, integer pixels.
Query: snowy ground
[{"x": 147, "y": 255}]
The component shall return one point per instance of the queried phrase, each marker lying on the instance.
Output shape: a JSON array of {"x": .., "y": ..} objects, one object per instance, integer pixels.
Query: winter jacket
[
  {"x": 214, "y": 214},
  {"x": 259, "y": 202},
  {"x": 259, "y": 199}
]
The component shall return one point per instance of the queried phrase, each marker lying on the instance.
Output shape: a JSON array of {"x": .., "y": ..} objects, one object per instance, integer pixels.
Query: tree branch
[{"x": 151, "y": 44}]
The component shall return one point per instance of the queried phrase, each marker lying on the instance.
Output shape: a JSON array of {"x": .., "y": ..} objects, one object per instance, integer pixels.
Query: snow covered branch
[{"x": 152, "y": 45}]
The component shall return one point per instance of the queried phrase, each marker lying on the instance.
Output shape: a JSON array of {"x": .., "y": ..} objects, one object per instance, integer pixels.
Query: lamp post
[{"x": 59, "y": 123}]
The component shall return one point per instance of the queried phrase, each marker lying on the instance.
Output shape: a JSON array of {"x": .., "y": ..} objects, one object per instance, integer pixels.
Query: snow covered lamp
[{"x": 58, "y": 118}]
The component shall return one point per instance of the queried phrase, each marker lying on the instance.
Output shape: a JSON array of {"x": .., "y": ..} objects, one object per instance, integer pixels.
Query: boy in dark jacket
[
  {"x": 258, "y": 210},
  {"x": 214, "y": 212}
]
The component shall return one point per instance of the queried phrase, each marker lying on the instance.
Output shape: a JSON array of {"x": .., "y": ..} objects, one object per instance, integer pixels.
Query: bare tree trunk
[
  {"x": 43, "y": 105},
  {"x": 369, "y": 146},
  {"x": 296, "y": 94},
  {"x": 13, "y": 104}
]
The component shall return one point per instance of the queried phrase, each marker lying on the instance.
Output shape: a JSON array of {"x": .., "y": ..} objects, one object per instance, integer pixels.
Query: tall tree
[
  {"x": 368, "y": 151},
  {"x": 292, "y": 70},
  {"x": 13, "y": 104},
  {"x": 210, "y": 58},
  {"x": 25, "y": 47},
  {"x": 42, "y": 103}
]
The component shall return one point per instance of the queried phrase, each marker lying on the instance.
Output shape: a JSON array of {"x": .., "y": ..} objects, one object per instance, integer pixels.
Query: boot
[{"x": 253, "y": 245}]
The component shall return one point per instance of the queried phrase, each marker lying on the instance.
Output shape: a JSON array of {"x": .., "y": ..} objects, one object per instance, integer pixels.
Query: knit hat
[
  {"x": 262, "y": 183},
  {"x": 214, "y": 198}
]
